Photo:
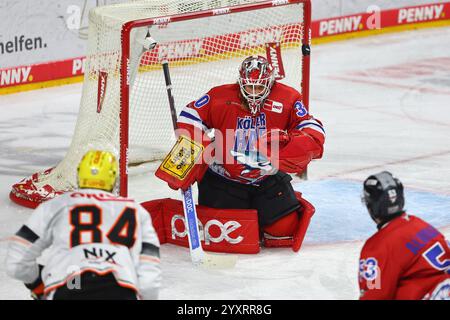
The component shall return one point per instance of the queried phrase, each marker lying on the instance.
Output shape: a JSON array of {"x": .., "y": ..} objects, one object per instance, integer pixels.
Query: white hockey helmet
[{"x": 256, "y": 78}]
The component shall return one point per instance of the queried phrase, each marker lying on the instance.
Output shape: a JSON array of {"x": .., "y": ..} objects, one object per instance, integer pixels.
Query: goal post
[{"x": 124, "y": 104}]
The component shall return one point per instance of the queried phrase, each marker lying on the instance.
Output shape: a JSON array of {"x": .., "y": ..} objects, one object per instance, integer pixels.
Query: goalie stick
[{"x": 198, "y": 255}]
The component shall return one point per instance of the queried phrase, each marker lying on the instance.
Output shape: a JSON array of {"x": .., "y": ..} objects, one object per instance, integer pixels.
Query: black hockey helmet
[{"x": 383, "y": 196}]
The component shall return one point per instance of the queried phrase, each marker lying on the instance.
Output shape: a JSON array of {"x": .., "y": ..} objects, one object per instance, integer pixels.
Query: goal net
[{"x": 124, "y": 105}]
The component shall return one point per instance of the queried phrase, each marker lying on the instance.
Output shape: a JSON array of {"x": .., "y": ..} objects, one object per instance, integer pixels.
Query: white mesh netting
[{"x": 202, "y": 53}]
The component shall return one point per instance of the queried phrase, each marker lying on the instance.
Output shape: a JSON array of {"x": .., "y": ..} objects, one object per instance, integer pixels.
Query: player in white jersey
[{"x": 100, "y": 246}]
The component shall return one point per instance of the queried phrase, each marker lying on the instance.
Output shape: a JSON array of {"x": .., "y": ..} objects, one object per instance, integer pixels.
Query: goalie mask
[
  {"x": 256, "y": 78},
  {"x": 383, "y": 196}
]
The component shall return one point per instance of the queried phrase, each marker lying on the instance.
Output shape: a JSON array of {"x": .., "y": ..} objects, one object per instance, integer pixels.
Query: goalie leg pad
[
  {"x": 221, "y": 230},
  {"x": 305, "y": 218},
  {"x": 281, "y": 232},
  {"x": 290, "y": 230}
]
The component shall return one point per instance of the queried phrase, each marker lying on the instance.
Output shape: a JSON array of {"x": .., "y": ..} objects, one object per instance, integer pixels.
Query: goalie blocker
[
  {"x": 184, "y": 164},
  {"x": 230, "y": 230}
]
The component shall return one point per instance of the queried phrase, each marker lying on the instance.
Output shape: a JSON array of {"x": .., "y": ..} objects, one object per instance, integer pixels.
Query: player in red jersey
[
  {"x": 407, "y": 258},
  {"x": 262, "y": 132}
]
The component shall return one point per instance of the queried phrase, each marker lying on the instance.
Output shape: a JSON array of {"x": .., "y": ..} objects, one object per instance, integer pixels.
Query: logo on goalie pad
[
  {"x": 182, "y": 158},
  {"x": 221, "y": 230},
  {"x": 225, "y": 229}
]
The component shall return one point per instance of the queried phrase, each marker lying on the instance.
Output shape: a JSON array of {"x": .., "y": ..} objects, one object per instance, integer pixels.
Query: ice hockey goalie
[{"x": 262, "y": 133}]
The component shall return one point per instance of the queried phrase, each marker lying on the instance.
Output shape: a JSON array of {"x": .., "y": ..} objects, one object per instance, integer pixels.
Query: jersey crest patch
[
  {"x": 248, "y": 130},
  {"x": 273, "y": 106}
]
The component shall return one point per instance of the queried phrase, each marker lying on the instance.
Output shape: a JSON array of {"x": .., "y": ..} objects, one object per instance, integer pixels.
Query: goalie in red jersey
[
  {"x": 262, "y": 132},
  {"x": 407, "y": 259}
]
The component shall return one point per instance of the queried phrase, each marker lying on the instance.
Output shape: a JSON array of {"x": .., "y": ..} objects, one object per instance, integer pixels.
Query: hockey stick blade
[{"x": 219, "y": 261}]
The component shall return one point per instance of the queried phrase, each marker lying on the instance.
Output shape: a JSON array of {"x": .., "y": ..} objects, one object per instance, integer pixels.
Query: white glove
[{"x": 254, "y": 161}]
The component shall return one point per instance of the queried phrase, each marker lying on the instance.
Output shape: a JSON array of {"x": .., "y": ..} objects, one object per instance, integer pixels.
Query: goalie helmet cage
[{"x": 124, "y": 107}]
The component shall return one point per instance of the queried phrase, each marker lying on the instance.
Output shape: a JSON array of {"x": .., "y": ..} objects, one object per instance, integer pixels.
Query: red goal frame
[{"x": 125, "y": 62}]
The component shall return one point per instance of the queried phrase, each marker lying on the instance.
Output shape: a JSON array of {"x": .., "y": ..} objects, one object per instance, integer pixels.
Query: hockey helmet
[
  {"x": 97, "y": 170},
  {"x": 256, "y": 78},
  {"x": 383, "y": 196}
]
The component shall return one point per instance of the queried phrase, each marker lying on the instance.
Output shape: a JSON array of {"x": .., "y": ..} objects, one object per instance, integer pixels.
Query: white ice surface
[{"x": 385, "y": 104}]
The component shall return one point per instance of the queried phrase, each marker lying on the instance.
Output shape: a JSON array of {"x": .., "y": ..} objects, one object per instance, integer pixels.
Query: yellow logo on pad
[{"x": 182, "y": 158}]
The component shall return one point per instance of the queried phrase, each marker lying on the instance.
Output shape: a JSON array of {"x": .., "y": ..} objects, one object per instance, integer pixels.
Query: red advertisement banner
[
  {"x": 23, "y": 75},
  {"x": 380, "y": 20}
]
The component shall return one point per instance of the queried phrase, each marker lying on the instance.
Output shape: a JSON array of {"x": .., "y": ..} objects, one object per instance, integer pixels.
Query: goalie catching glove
[
  {"x": 184, "y": 165},
  {"x": 291, "y": 151}
]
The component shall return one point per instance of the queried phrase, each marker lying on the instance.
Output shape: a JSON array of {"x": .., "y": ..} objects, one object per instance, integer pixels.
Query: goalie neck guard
[
  {"x": 383, "y": 196},
  {"x": 256, "y": 78}
]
